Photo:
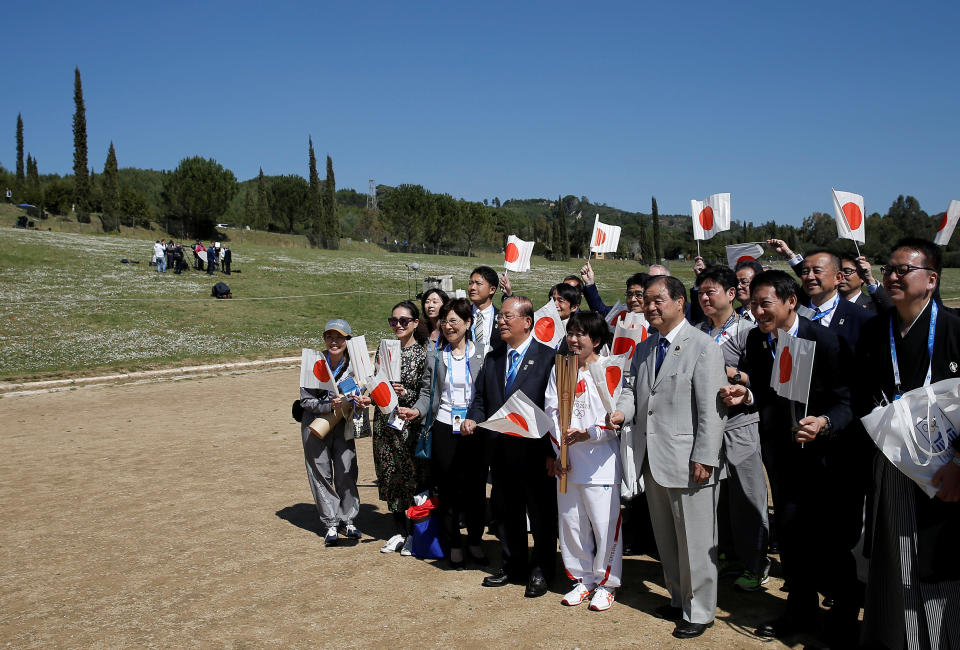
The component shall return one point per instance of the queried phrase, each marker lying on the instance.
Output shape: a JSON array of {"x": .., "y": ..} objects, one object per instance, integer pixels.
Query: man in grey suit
[{"x": 671, "y": 398}]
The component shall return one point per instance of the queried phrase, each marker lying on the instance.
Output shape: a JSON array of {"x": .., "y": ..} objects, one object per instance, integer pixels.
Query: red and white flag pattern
[
  {"x": 710, "y": 216},
  {"x": 382, "y": 393},
  {"x": 608, "y": 374},
  {"x": 388, "y": 359},
  {"x": 743, "y": 253},
  {"x": 948, "y": 223},
  {"x": 605, "y": 238},
  {"x": 516, "y": 256},
  {"x": 793, "y": 367},
  {"x": 360, "y": 360},
  {"x": 547, "y": 326},
  {"x": 519, "y": 417},
  {"x": 616, "y": 315},
  {"x": 850, "y": 215},
  {"x": 315, "y": 372},
  {"x": 635, "y": 320},
  {"x": 625, "y": 340}
]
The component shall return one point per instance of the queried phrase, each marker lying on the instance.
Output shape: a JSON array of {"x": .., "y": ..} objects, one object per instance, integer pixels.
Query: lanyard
[
  {"x": 467, "y": 379},
  {"x": 893, "y": 350},
  {"x": 339, "y": 365},
  {"x": 723, "y": 330},
  {"x": 821, "y": 314}
]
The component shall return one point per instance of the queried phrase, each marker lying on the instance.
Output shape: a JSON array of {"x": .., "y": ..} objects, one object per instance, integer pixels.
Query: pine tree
[
  {"x": 81, "y": 183},
  {"x": 315, "y": 201},
  {"x": 249, "y": 208},
  {"x": 331, "y": 217},
  {"x": 20, "y": 174},
  {"x": 111, "y": 192},
  {"x": 657, "y": 252},
  {"x": 263, "y": 206},
  {"x": 31, "y": 188}
]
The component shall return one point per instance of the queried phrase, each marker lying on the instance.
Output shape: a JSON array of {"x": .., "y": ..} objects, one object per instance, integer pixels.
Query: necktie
[
  {"x": 478, "y": 328},
  {"x": 661, "y": 352},
  {"x": 512, "y": 370}
]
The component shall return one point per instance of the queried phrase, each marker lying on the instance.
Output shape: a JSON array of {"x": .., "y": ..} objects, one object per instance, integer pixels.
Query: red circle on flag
[
  {"x": 621, "y": 316},
  {"x": 544, "y": 329},
  {"x": 643, "y": 336},
  {"x": 624, "y": 345},
  {"x": 512, "y": 253},
  {"x": 320, "y": 371},
  {"x": 614, "y": 373},
  {"x": 601, "y": 237},
  {"x": 851, "y": 212},
  {"x": 517, "y": 419},
  {"x": 943, "y": 222},
  {"x": 745, "y": 258},
  {"x": 706, "y": 218},
  {"x": 381, "y": 395},
  {"x": 786, "y": 365}
]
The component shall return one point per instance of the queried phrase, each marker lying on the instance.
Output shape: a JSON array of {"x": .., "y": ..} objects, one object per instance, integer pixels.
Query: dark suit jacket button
[
  {"x": 653, "y": 392},
  {"x": 649, "y": 412}
]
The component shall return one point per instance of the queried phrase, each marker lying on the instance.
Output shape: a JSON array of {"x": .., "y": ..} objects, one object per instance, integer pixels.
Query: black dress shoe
[
  {"x": 668, "y": 612},
  {"x": 499, "y": 579},
  {"x": 458, "y": 566},
  {"x": 688, "y": 630},
  {"x": 536, "y": 586},
  {"x": 783, "y": 627}
]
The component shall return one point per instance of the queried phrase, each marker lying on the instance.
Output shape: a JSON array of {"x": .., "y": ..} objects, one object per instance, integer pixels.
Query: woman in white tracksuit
[{"x": 589, "y": 513}]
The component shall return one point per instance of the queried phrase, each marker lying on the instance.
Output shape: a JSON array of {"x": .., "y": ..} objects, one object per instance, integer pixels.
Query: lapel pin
[
  {"x": 676, "y": 349},
  {"x": 953, "y": 366},
  {"x": 841, "y": 321}
]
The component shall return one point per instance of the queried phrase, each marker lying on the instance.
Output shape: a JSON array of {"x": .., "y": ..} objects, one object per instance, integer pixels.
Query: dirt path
[{"x": 131, "y": 519}]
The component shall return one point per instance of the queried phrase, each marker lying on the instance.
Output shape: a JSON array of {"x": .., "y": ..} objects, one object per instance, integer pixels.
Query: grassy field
[{"x": 69, "y": 306}]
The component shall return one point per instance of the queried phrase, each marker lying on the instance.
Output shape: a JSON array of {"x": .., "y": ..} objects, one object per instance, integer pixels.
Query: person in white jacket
[{"x": 589, "y": 511}]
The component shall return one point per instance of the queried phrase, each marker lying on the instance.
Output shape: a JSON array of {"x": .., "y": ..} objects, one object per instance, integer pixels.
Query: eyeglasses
[
  {"x": 452, "y": 322},
  {"x": 403, "y": 321},
  {"x": 744, "y": 282},
  {"x": 848, "y": 271},
  {"x": 633, "y": 294},
  {"x": 902, "y": 269},
  {"x": 506, "y": 317}
]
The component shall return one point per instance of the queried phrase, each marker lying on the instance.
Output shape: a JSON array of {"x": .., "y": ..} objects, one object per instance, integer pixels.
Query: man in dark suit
[
  {"x": 483, "y": 284},
  {"x": 914, "y": 587},
  {"x": 796, "y": 445},
  {"x": 521, "y": 483}
]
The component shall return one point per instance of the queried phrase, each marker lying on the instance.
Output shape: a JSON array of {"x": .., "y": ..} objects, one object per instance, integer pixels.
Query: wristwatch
[
  {"x": 737, "y": 377},
  {"x": 827, "y": 427}
]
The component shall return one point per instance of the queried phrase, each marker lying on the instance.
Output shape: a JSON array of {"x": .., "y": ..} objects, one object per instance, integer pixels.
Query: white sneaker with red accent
[
  {"x": 577, "y": 595},
  {"x": 602, "y": 599}
]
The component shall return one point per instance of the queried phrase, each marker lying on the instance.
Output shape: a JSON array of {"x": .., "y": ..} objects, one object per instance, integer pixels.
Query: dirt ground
[{"x": 177, "y": 513}]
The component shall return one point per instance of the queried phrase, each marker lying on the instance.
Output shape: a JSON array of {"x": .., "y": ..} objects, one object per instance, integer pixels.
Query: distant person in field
[
  {"x": 158, "y": 256},
  {"x": 197, "y": 260},
  {"x": 227, "y": 259},
  {"x": 211, "y": 258}
]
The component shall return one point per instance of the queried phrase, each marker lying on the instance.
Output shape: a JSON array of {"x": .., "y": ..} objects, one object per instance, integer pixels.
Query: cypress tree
[
  {"x": 643, "y": 238},
  {"x": 657, "y": 252},
  {"x": 263, "y": 207},
  {"x": 561, "y": 237},
  {"x": 249, "y": 208},
  {"x": 111, "y": 192},
  {"x": 331, "y": 218},
  {"x": 315, "y": 201},
  {"x": 81, "y": 183},
  {"x": 20, "y": 174}
]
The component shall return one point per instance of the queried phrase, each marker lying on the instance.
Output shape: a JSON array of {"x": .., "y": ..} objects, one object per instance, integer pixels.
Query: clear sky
[{"x": 774, "y": 102}]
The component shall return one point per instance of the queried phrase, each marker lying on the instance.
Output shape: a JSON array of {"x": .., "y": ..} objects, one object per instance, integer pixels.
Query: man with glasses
[
  {"x": 746, "y": 270},
  {"x": 851, "y": 285},
  {"x": 913, "y": 593},
  {"x": 521, "y": 484},
  {"x": 633, "y": 298}
]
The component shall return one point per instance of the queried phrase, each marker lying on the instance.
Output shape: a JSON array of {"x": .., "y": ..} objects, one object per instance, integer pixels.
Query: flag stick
[
  {"x": 857, "y": 247},
  {"x": 698, "y": 248}
]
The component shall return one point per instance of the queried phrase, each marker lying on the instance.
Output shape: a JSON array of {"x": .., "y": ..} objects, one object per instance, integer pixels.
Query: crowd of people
[
  {"x": 169, "y": 255},
  {"x": 695, "y": 437}
]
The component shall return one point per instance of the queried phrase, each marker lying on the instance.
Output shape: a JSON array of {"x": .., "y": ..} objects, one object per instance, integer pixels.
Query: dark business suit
[
  {"x": 848, "y": 319},
  {"x": 799, "y": 476},
  {"x": 520, "y": 480}
]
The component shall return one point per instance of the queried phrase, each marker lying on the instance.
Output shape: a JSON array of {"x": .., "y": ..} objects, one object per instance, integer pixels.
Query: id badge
[
  {"x": 457, "y": 416},
  {"x": 395, "y": 421}
]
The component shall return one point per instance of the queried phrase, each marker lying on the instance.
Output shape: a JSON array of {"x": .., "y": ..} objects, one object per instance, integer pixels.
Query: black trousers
[{"x": 460, "y": 474}]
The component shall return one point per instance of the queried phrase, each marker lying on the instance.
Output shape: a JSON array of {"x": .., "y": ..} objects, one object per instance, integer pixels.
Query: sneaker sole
[
  {"x": 568, "y": 604},
  {"x": 752, "y": 589},
  {"x": 602, "y": 608}
]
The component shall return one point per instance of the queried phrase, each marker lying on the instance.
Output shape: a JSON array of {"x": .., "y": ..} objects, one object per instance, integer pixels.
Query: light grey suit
[{"x": 678, "y": 418}]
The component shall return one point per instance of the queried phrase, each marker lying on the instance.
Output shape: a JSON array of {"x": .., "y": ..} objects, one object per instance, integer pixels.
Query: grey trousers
[
  {"x": 742, "y": 513},
  {"x": 332, "y": 474},
  {"x": 685, "y": 527}
]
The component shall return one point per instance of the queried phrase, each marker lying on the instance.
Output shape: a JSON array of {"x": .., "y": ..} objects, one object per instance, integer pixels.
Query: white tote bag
[{"x": 916, "y": 432}]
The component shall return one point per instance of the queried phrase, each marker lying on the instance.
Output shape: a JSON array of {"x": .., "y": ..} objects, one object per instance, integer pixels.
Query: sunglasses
[{"x": 403, "y": 321}]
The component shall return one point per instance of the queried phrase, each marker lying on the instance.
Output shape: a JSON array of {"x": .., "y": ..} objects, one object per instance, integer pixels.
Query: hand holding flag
[{"x": 519, "y": 417}]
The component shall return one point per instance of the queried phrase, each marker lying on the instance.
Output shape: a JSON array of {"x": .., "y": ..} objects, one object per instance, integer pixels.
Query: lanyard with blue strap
[
  {"x": 893, "y": 351},
  {"x": 821, "y": 314},
  {"x": 339, "y": 365},
  {"x": 723, "y": 330},
  {"x": 468, "y": 379}
]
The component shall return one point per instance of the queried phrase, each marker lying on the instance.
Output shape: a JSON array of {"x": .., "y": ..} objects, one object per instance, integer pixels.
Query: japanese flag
[
  {"x": 848, "y": 210},
  {"x": 710, "y": 216},
  {"x": 948, "y": 223},
  {"x": 519, "y": 417},
  {"x": 635, "y": 320},
  {"x": 616, "y": 314},
  {"x": 608, "y": 373},
  {"x": 743, "y": 253},
  {"x": 360, "y": 360},
  {"x": 793, "y": 367},
  {"x": 388, "y": 359},
  {"x": 605, "y": 238},
  {"x": 547, "y": 326},
  {"x": 315, "y": 372},
  {"x": 382, "y": 394},
  {"x": 516, "y": 257},
  {"x": 625, "y": 340}
]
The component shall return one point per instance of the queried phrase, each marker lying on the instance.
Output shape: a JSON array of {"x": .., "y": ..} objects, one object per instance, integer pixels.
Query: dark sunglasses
[{"x": 403, "y": 321}]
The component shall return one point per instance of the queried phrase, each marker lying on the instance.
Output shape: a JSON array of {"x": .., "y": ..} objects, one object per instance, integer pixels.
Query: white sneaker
[
  {"x": 602, "y": 599},
  {"x": 577, "y": 595},
  {"x": 393, "y": 544},
  {"x": 407, "y": 549}
]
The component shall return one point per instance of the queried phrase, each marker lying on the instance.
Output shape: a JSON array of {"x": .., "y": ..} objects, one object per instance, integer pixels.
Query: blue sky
[{"x": 774, "y": 102}]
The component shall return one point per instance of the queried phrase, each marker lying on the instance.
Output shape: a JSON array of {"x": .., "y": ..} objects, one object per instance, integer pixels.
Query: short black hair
[
  {"x": 675, "y": 287},
  {"x": 568, "y": 293},
  {"x": 592, "y": 324},
  {"x": 638, "y": 279},
  {"x": 823, "y": 251},
  {"x": 782, "y": 282},
  {"x": 488, "y": 274},
  {"x": 931, "y": 252},
  {"x": 575, "y": 278},
  {"x": 749, "y": 264},
  {"x": 462, "y": 307},
  {"x": 721, "y": 274}
]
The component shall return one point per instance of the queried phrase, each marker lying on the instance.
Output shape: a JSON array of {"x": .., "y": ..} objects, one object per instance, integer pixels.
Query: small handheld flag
[
  {"x": 948, "y": 223},
  {"x": 315, "y": 372},
  {"x": 605, "y": 238},
  {"x": 710, "y": 216},
  {"x": 849, "y": 213},
  {"x": 793, "y": 367},
  {"x": 547, "y": 326},
  {"x": 743, "y": 252},
  {"x": 519, "y": 417},
  {"x": 516, "y": 256}
]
